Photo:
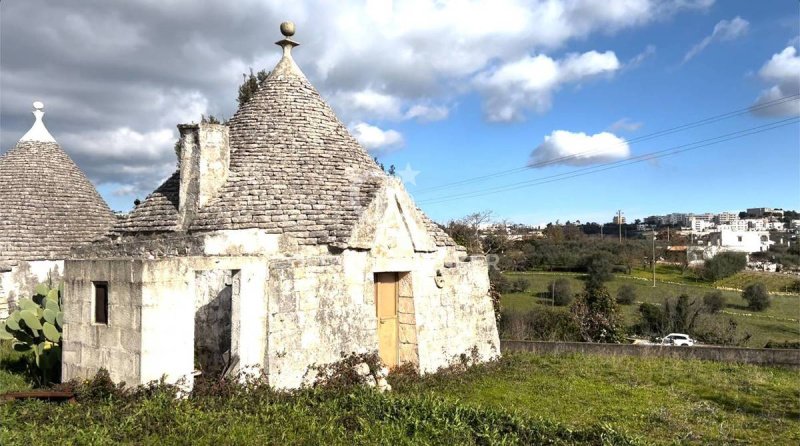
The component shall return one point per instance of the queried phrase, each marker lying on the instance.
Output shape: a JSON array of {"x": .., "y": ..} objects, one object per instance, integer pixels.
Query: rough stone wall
[
  {"x": 456, "y": 318},
  {"x": 18, "y": 280},
  {"x": 407, "y": 322},
  {"x": 87, "y": 346},
  {"x": 316, "y": 313}
]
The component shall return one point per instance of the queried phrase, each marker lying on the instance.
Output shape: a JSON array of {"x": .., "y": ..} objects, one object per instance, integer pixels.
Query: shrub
[
  {"x": 499, "y": 281},
  {"x": 595, "y": 314},
  {"x": 560, "y": 291},
  {"x": 519, "y": 285},
  {"x": 714, "y": 302},
  {"x": 720, "y": 331},
  {"x": 541, "y": 324},
  {"x": 784, "y": 344},
  {"x": 653, "y": 321},
  {"x": 626, "y": 294},
  {"x": 756, "y": 296},
  {"x": 723, "y": 265},
  {"x": 794, "y": 287}
]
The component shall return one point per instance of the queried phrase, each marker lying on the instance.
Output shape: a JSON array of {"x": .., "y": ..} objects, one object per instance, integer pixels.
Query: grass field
[
  {"x": 673, "y": 273},
  {"x": 780, "y": 322},
  {"x": 520, "y": 399}
]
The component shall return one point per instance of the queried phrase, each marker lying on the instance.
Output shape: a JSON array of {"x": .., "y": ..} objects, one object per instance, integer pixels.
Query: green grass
[
  {"x": 520, "y": 399},
  {"x": 780, "y": 322},
  {"x": 774, "y": 282},
  {"x": 662, "y": 400},
  {"x": 12, "y": 367}
]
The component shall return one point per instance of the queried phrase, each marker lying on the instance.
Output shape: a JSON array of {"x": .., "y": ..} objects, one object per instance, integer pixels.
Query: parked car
[{"x": 678, "y": 339}]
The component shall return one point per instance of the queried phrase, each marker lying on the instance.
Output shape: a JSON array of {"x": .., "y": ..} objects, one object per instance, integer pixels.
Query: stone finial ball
[
  {"x": 287, "y": 29},
  {"x": 38, "y": 105}
]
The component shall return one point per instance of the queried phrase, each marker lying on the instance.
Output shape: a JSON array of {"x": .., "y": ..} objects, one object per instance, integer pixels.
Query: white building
[{"x": 741, "y": 241}]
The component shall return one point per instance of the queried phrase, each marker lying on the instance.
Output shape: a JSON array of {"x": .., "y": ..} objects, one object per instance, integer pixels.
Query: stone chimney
[{"x": 205, "y": 159}]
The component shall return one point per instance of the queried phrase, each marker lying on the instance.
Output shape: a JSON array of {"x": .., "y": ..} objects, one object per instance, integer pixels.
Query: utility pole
[
  {"x": 654, "y": 258},
  {"x": 619, "y": 223}
]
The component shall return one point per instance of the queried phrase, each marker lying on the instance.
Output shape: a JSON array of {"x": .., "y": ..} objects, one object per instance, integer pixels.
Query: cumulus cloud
[
  {"x": 724, "y": 30},
  {"x": 427, "y": 113},
  {"x": 375, "y": 139},
  {"x": 529, "y": 82},
  {"x": 625, "y": 125},
  {"x": 783, "y": 71},
  {"x": 146, "y": 66},
  {"x": 578, "y": 149}
]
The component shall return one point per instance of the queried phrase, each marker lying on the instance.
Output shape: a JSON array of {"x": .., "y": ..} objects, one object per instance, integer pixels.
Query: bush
[
  {"x": 595, "y": 314},
  {"x": 499, "y": 281},
  {"x": 723, "y": 265},
  {"x": 653, "y": 321},
  {"x": 720, "y": 331},
  {"x": 756, "y": 296},
  {"x": 714, "y": 302},
  {"x": 541, "y": 324},
  {"x": 560, "y": 292},
  {"x": 794, "y": 287},
  {"x": 519, "y": 285},
  {"x": 784, "y": 344},
  {"x": 626, "y": 294}
]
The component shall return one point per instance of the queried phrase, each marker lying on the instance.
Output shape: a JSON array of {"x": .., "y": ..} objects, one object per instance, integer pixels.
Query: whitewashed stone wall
[{"x": 18, "y": 280}]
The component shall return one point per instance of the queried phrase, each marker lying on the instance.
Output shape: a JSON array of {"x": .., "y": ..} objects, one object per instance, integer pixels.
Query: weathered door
[{"x": 386, "y": 287}]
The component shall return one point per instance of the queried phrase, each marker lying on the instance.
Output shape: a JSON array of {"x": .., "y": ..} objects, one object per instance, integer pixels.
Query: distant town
[{"x": 687, "y": 238}]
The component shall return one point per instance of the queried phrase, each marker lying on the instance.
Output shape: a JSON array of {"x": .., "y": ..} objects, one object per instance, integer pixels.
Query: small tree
[
  {"x": 653, "y": 320},
  {"x": 520, "y": 285},
  {"x": 626, "y": 294},
  {"x": 723, "y": 265},
  {"x": 595, "y": 313},
  {"x": 714, "y": 302},
  {"x": 756, "y": 296},
  {"x": 250, "y": 85},
  {"x": 560, "y": 291},
  {"x": 599, "y": 270}
]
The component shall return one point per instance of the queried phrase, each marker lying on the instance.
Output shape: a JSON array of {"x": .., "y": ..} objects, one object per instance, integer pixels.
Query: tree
[
  {"x": 681, "y": 314},
  {"x": 250, "y": 85},
  {"x": 599, "y": 269},
  {"x": 723, "y": 265},
  {"x": 466, "y": 230},
  {"x": 714, "y": 302},
  {"x": 626, "y": 294},
  {"x": 653, "y": 321},
  {"x": 560, "y": 291},
  {"x": 595, "y": 313},
  {"x": 756, "y": 296}
]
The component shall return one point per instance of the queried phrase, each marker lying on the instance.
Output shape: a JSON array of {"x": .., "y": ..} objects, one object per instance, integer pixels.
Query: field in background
[
  {"x": 672, "y": 273},
  {"x": 780, "y": 322}
]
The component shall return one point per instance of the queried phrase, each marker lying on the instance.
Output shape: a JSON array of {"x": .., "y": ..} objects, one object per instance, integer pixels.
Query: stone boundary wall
[{"x": 763, "y": 356}]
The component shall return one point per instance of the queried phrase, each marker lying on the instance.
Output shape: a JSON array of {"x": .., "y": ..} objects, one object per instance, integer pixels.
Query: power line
[
  {"x": 686, "y": 126},
  {"x": 620, "y": 163}
]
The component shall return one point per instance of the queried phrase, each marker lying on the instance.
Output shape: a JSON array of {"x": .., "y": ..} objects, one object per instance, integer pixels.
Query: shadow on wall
[{"x": 213, "y": 321}]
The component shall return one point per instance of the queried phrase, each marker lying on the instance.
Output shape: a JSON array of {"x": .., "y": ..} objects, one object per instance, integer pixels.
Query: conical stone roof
[
  {"x": 294, "y": 169},
  {"x": 47, "y": 205}
]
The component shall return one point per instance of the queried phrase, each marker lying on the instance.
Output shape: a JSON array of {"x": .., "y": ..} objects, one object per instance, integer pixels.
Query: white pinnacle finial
[
  {"x": 287, "y": 29},
  {"x": 38, "y": 131}
]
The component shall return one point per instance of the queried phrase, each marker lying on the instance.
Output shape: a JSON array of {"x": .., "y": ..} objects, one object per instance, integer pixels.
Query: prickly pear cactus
[{"x": 36, "y": 326}]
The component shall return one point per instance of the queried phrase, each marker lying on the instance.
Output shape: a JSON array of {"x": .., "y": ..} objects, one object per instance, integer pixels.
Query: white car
[{"x": 678, "y": 339}]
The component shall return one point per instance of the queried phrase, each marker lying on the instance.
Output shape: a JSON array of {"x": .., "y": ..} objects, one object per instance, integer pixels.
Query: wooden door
[{"x": 386, "y": 287}]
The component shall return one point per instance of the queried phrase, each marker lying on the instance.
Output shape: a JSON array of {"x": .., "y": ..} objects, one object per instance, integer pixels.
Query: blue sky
[
  {"x": 660, "y": 93},
  {"x": 453, "y": 90}
]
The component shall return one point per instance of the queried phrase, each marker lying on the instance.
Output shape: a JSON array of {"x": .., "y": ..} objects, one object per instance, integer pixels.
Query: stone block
[
  {"x": 406, "y": 289},
  {"x": 405, "y": 305},
  {"x": 406, "y": 318},
  {"x": 408, "y": 334},
  {"x": 408, "y": 354}
]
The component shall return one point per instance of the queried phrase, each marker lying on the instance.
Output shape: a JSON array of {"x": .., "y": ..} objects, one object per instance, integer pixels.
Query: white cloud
[
  {"x": 626, "y": 125},
  {"x": 375, "y": 139},
  {"x": 637, "y": 60},
  {"x": 427, "y": 113},
  {"x": 143, "y": 65},
  {"x": 578, "y": 149},
  {"x": 783, "y": 70},
  {"x": 724, "y": 30},
  {"x": 529, "y": 83}
]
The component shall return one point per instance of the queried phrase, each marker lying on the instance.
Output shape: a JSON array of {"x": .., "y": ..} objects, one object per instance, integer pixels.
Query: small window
[
  {"x": 739, "y": 238},
  {"x": 100, "y": 303}
]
